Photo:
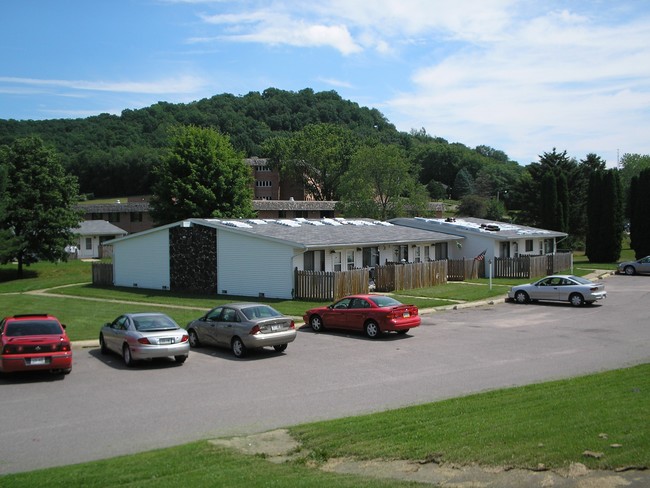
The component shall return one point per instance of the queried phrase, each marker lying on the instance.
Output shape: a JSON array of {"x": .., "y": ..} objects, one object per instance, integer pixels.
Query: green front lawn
[{"x": 550, "y": 424}]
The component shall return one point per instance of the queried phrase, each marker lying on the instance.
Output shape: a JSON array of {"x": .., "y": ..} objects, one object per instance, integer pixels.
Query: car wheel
[
  {"x": 280, "y": 348},
  {"x": 180, "y": 359},
  {"x": 629, "y": 270},
  {"x": 372, "y": 329},
  {"x": 316, "y": 323},
  {"x": 521, "y": 297},
  {"x": 238, "y": 347},
  {"x": 576, "y": 300},
  {"x": 194, "y": 339},
  {"x": 126, "y": 354},
  {"x": 102, "y": 344}
]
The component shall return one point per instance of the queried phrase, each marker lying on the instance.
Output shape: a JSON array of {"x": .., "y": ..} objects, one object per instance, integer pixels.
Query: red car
[
  {"x": 34, "y": 342},
  {"x": 372, "y": 314}
]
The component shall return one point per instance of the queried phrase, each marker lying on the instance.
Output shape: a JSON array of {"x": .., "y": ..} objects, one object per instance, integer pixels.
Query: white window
[
  {"x": 417, "y": 254},
  {"x": 89, "y": 243},
  {"x": 350, "y": 259},
  {"x": 336, "y": 261}
]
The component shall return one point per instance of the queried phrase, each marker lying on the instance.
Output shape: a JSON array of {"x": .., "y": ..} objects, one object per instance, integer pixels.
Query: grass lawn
[
  {"x": 549, "y": 423},
  {"x": 85, "y": 317}
]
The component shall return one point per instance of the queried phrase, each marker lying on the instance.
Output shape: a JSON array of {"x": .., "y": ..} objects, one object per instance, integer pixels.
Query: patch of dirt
[{"x": 278, "y": 446}]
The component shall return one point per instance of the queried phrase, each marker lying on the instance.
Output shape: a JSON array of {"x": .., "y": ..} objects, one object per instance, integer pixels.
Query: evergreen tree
[
  {"x": 463, "y": 184},
  {"x": 604, "y": 217},
  {"x": 549, "y": 206},
  {"x": 201, "y": 177},
  {"x": 39, "y": 202},
  {"x": 639, "y": 203}
]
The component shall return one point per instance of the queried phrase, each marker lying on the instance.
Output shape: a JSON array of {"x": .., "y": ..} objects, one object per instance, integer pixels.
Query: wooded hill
[{"x": 112, "y": 155}]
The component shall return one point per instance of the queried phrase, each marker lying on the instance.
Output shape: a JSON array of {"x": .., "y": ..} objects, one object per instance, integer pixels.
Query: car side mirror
[{"x": 64, "y": 326}]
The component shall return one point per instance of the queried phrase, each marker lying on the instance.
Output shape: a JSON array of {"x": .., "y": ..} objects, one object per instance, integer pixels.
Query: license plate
[
  {"x": 406, "y": 315},
  {"x": 37, "y": 361},
  {"x": 276, "y": 327},
  {"x": 166, "y": 340}
]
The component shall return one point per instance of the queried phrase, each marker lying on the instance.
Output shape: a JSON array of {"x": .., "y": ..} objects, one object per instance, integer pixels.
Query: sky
[{"x": 521, "y": 76}]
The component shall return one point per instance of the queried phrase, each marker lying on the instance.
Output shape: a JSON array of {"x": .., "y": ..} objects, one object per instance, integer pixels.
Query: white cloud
[
  {"x": 182, "y": 84},
  {"x": 335, "y": 82}
]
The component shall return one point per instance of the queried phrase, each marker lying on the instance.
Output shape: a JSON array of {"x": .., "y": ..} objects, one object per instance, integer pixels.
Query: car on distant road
[
  {"x": 639, "y": 266},
  {"x": 34, "y": 342},
  {"x": 567, "y": 288},
  {"x": 144, "y": 335},
  {"x": 243, "y": 326},
  {"x": 372, "y": 314}
]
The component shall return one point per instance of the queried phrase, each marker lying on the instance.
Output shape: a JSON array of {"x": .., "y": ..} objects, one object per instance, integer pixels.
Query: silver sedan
[
  {"x": 139, "y": 336},
  {"x": 633, "y": 267},
  {"x": 574, "y": 289},
  {"x": 243, "y": 326}
]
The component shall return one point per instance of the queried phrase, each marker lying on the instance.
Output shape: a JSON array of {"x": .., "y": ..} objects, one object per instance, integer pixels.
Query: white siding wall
[
  {"x": 248, "y": 266},
  {"x": 142, "y": 261}
]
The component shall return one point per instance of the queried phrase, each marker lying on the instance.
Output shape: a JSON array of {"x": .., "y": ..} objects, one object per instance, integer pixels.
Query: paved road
[{"x": 103, "y": 409}]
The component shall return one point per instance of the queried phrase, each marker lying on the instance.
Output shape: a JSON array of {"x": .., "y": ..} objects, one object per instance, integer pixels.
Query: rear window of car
[
  {"x": 154, "y": 322},
  {"x": 382, "y": 301},
  {"x": 260, "y": 312},
  {"x": 32, "y": 327}
]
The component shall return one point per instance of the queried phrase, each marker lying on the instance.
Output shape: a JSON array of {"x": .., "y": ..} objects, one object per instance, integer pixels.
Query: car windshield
[
  {"x": 260, "y": 312},
  {"x": 382, "y": 301},
  {"x": 33, "y": 327},
  {"x": 148, "y": 323}
]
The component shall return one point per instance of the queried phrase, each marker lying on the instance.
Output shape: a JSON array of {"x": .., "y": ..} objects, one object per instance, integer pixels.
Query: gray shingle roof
[
  {"x": 98, "y": 228},
  {"x": 114, "y": 207},
  {"x": 329, "y": 233}
]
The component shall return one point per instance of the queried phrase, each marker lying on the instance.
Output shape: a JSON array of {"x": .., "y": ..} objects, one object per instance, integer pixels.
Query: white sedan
[{"x": 574, "y": 289}]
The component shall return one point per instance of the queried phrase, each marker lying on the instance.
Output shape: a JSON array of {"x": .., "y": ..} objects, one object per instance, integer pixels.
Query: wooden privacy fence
[
  {"x": 410, "y": 275},
  {"x": 102, "y": 274},
  {"x": 329, "y": 285},
  {"x": 531, "y": 266},
  {"x": 465, "y": 269}
]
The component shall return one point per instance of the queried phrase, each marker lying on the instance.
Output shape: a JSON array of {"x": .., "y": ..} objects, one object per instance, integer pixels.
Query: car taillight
[
  {"x": 9, "y": 349},
  {"x": 185, "y": 338},
  {"x": 293, "y": 325},
  {"x": 254, "y": 330},
  {"x": 144, "y": 340},
  {"x": 63, "y": 346}
]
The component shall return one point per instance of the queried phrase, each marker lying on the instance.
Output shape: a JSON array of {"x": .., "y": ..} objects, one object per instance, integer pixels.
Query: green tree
[
  {"x": 380, "y": 184},
  {"x": 495, "y": 209},
  {"x": 473, "y": 206},
  {"x": 318, "y": 156},
  {"x": 39, "y": 207},
  {"x": 638, "y": 205},
  {"x": 545, "y": 195},
  {"x": 202, "y": 176},
  {"x": 604, "y": 217},
  {"x": 9, "y": 243},
  {"x": 463, "y": 184}
]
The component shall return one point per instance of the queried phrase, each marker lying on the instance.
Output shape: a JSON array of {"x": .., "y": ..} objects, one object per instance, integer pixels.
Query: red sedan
[
  {"x": 372, "y": 314},
  {"x": 34, "y": 342}
]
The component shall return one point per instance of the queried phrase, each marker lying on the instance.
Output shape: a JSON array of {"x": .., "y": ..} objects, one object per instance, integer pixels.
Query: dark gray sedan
[
  {"x": 144, "y": 336},
  {"x": 243, "y": 326}
]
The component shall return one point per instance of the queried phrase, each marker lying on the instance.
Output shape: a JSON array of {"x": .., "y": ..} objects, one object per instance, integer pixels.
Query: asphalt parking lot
[{"x": 104, "y": 409}]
